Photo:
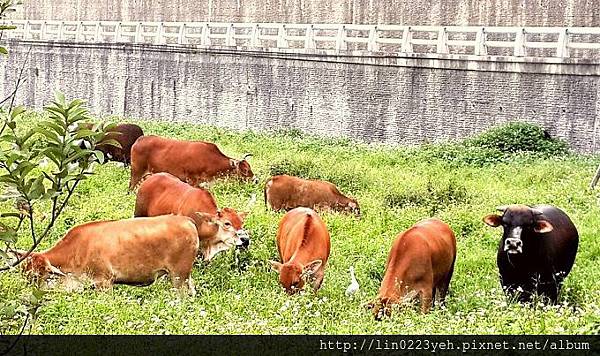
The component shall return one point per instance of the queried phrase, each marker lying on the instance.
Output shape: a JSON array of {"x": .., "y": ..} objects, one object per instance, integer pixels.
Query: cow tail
[{"x": 307, "y": 227}]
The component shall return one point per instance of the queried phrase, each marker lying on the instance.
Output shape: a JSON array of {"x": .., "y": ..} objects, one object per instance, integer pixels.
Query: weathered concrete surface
[
  {"x": 403, "y": 102},
  {"x": 418, "y": 12}
]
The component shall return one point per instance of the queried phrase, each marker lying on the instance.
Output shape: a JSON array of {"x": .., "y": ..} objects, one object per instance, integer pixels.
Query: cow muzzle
[
  {"x": 513, "y": 246},
  {"x": 243, "y": 239}
]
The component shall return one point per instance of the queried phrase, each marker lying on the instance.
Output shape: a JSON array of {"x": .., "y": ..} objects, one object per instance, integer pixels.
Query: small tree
[{"x": 69, "y": 151}]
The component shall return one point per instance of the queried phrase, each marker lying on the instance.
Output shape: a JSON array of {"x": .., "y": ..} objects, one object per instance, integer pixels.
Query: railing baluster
[
  {"x": 205, "y": 35},
  {"x": 118, "y": 32},
  {"x": 78, "y": 31},
  {"x": 255, "y": 41},
  {"x": 442, "y": 45},
  {"x": 340, "y": 43},
  {"x": 281, "y": 37},
  {"x": 181, "y": 37},
  {"x": 61, "y": 27},
  {"x": 562, "y": 49},
  {"x": 138, "y": 33},
  {"x": 229, "y": 40},
  {"x": 159, "y": 34},
  {"x": 480, "y": 47},
  {"x": 27, "y": 30},
  {"x": 407, "y": 40},
  {"x": 372, "y": 44},
  {"x": 309, "y": 42},
  {"x": 98, "y": 30},
  {"x": 519, "y": 50},
  {"x": 43, "y": 31}
]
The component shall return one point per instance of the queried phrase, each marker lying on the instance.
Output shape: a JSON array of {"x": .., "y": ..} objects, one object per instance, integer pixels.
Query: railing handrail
[{"x": 389, "y": 39}]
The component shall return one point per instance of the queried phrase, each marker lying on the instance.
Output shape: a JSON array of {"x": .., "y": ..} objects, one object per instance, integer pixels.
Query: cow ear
[
  {"x": 276, "y": 266},
  {"x": 312, "y": 267},
  {"x": 493, "y": 220},
  {"x": 219, "y": 213},
  {"x": 543, "y": 226}
]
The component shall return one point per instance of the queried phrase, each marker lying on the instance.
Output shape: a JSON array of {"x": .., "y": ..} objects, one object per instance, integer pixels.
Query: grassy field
[{"x": 238, "y": 293}]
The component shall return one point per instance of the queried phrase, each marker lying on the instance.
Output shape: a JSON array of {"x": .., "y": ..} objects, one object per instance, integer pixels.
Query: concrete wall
[
  {"x": 416, "y": 12},
  {"x": 403, "y": 101}
]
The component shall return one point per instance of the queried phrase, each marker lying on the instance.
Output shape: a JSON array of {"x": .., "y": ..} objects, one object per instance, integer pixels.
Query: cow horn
[
  {"x": 248, "y": 155},
  {"x": 56, "y": 271},
  {"x": 502, "y": 208}
]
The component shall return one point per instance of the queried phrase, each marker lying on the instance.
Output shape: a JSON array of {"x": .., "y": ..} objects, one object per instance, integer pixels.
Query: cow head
[
  {"x": 243, "y": 169},
  {"x": 380, "y": 307},
  {"x": 352, "y": 207},
  {"x": 520, "y": 222},
  {"x": 217, "y": 234},
  {"x": 37, "y": 267},
  {"x": 230, "y": 216},
  {"x": 293, "y": 276}
]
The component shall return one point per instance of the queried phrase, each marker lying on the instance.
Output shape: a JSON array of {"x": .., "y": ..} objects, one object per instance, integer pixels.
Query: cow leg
[
  {"x": 426, "y": 299},
  {"x": 184, "y": 283},
  {"x": 444, "y": 285}
]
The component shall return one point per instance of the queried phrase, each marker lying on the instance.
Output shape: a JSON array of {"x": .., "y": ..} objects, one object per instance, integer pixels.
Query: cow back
[{"x": 303, "y": 237}]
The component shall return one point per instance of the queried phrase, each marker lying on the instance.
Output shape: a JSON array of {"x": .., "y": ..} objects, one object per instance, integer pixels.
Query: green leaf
[
  {"x": 59, "y": 97},
  {"x": 112, "y": 142},
  {"x": 59, "y": 129},
  {"x": 10, "y": 215},
  {"x": 80, "y": 154},
  {"x": 37, "y": 188},
  {"x": 3, "y": 50},
  {"x": 99, "y": 156},
  {"x": 16, "y": 111},
  {"x": 84, "y": 133},
  {"x": 52, "y": 136}
]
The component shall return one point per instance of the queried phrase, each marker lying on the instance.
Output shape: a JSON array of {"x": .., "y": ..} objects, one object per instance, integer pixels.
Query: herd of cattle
[{"x": 176, "y": 221}]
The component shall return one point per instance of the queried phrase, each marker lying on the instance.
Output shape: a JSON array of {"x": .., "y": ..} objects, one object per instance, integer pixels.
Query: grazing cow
[
  {"x": 191, "y": 161},
  {"x": 537, "y": 250},
  {"x": 303, "y": 245},
  {"x": 285, "y": 192},
  {"x": 131, "y": 251},
  {"x": 420, "y": 263},
  {"x": 125, "y": 135},
  {"x": 163, "y": 193}
]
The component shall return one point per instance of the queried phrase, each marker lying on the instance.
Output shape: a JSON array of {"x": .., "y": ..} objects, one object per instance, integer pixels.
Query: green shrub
[{"x": 517, "y": 137}]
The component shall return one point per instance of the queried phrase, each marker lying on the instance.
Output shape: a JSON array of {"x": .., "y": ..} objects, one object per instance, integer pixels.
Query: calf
[
  {"x": 285, "y": 192},
  {"x": 130, "y": 251},
  {"x": 163, "y": 193},
  {"x": 125, "y": 135},
  {"x": 537, "y": 250},
  {"x": 420, "y": 263},
  {"x": 191, "y": 161},
  {"x": 303, "y": 245}
]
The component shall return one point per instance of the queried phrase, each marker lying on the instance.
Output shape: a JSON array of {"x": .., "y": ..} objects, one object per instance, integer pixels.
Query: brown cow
[
  {"x": 191, "y": 161},
  {"x": 420, "y": 263},
  {"x": 285, "y": 192},
  {"x": 303, "y": 245},
  {"x": 125, "y": 135},
  {"x": 131, "y": 251},
  {"x": 163, "y": 193}
]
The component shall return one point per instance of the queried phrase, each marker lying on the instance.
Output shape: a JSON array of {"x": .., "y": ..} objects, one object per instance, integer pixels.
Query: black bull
[{"x": 537, "y": 250}]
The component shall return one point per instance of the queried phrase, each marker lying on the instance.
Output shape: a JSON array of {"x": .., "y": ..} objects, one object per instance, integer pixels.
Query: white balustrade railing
[{"x": 557, "y": 42}]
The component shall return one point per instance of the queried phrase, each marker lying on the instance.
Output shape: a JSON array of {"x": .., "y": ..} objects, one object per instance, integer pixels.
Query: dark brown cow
[
  {"x": 163, "y": 193},
  {"x": 131, "y": 251},
  {"x": 420, "y": 264},
  {"x": 303, "y": 245},
  {"x": 191, "y": 161},
  {"x": 125, "y": 135},
  {"x": 285, "y": 192},
  {"x": 537, "y": 250}
]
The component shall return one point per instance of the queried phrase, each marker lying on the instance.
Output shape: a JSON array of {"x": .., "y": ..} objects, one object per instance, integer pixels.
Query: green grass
[{"x": 238, "y": 292}]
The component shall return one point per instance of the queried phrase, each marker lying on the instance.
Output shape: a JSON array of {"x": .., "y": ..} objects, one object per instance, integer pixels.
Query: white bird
[{"x": 353, "y": 287}]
